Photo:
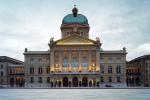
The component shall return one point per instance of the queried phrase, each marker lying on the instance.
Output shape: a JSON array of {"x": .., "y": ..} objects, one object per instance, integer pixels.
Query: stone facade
[
  {"x": 138, "y": 71},
  {"x": 12, "y": 72}
]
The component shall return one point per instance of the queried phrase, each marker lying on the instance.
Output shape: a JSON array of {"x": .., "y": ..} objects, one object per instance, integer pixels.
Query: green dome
[
  {"x": 70, "y": 19},
  {"x": 49, "y": 49}
]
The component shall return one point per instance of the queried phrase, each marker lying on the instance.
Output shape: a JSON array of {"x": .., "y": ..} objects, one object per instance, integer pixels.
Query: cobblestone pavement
[{"x": 74, "y": 94}]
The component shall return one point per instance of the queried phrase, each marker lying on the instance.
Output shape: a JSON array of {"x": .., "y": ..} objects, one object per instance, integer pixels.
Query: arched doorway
[
  {"x": 12, "y": 82},
  {"x": 127, "y": 81},
  {"x": 85, "y": 81},
  {"x": 137, "y": 80},
  {"x": 17, "y": 81},
  {"x": 65, "y": 82},
  {"x": 22, "y": 81},
  {"x": 75, "y": 81},
  {"x": 131, "y": 81}
]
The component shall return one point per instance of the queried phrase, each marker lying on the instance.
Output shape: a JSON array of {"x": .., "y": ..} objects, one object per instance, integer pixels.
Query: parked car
[
  {"x": 139, "y": 84},
  {"x": 107, "y": 85},
  {"x": 146, "y": 85}
]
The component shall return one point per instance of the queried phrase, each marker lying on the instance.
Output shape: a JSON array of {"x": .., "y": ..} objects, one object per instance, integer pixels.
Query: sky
[{"x": 31, "y": 23}]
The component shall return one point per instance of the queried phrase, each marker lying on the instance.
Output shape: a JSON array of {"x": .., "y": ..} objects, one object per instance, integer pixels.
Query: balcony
[
  {"x": 31, "y": 81},
  {"x": 118, "y": 72},
  {"x": 17, "y": 74},
  {"x": 133, "y": 73},
  {"x": 110, "y": 72},
  {"x": 31, "y": 72},
  {"x": 118, "y": 81},
  {"x": 40, "y": 81}
]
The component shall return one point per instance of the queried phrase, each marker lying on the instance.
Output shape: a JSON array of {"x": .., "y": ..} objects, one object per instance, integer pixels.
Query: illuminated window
[
  {"x": 84, "y": 62},
  {"x": 65, "y": 62}
]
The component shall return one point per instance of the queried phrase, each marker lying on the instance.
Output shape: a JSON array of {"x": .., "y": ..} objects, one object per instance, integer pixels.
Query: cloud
[{"x": 31, "y": 24}]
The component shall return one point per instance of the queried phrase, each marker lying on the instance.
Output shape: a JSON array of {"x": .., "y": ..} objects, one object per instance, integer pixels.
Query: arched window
[
  {"x": 48, "y": 70},
  {"x": 31, "y": 80},
  {"x": 40, "y": 79},
  {"x": 118, "y": 69},
  {"x": 136, "y": 70},
  {"x": 65, "y": 62},
  {"x": 84, "y": 62},
  {"x": 1, "y": 66},
  {"x": 102, "y": 69},
  {"x": 75, "y": 62},
  {"x": 118, "y": 79},
  {"x": 109, "y": 69},
  {"x": 102, "y": 79},
  {"x": 13, "y": 71},
  {"x": 81, "y": 34},
  {"x": 1, "y": 73},
  {"x": 40, "y": 70},
  {"x": 110, "y": 79},
  {"x": 48, "y": 79},
  {"x": 16, "y": 71},
  {"x": 127, "y": 70},
  {"x": 31, "y": 70}
]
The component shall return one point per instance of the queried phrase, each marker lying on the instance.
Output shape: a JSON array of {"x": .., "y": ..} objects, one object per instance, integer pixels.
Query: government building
[{"x": 75, "y": 60}]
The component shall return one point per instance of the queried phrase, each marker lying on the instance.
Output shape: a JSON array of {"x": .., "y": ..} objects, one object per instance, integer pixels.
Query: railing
[
  {"x": 133, "y": 73},
  {"x": 118, "y": 72},
  {"x": 110, "y": 80},
  {"x": 118, "y": 81},
  {"x": 39, "y": 72},
  {"x": 31, "y": 81},
  {"x": 31, "y": 72},
  {"x": 40, "y": 81}
]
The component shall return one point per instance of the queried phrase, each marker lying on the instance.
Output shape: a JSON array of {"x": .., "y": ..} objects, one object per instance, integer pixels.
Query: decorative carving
[
  {"x": 51, "y": 40},
  {"x": 97, "y": 39}
]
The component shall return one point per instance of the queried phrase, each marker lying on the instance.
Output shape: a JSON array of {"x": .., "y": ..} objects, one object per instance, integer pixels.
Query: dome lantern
[{"x": 75, "y": 11}]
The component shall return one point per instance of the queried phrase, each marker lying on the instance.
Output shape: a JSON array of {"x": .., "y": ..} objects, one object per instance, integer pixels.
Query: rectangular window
[
  {"x": 76, "y": 63},
  {"x": 40, "y": 60},
  {"x": 1, "y": 73},
  {"x": 109, "y": 60},
  {"x": 101, "y": 60},
  {"x": 82, "y": 63},
  {"x": 73, "y": 63},
  {"x": 31, "y": 79},
  {"x": 67, "y": 63},
  {"x": 32, "y": 60},
  {"x": 48, "y": 60},
  {"x": 63, "y": 63},
  {"x": 86, "y": 63},
  {"x": 118, "y": 60}
]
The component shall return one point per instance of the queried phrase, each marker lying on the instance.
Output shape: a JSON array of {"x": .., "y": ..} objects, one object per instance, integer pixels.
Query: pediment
[{"x": 74, "y": 40}]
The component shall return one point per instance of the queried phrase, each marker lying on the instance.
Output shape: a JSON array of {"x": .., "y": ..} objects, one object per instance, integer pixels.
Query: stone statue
[
  {"x": 75, "y": 29},
  {"x": 51, "y": 40},
  {"x": 97, "y": 39}
]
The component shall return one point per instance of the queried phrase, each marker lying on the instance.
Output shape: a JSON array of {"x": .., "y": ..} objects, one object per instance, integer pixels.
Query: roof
[
  {"x": 12, "y": 60},
  {"x": 138, "y": 59},
  {"x": 91, "y": 42},
  {"x": 70, "y": 19}
]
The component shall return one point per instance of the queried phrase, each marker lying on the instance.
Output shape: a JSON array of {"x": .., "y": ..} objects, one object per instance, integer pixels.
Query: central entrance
[
  {"x": 85, "y": 81},
  {"x": 65, "y": 82},
  {"x": 75, "y": 81}
]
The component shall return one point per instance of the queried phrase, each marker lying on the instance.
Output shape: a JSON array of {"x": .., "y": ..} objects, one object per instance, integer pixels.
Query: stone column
[
  {"x": 69, "y": 59},
  {"x": 89, "y": 59},
  {"x": 79, "y": 59},
  {"x": 52, "y": 60},
  {"x": 60, "y": 60},
  {"x": 97, "y": 59}
]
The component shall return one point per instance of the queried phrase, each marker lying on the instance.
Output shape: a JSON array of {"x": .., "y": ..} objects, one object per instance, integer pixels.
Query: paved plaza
[{"x": 74, "y": 94}]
